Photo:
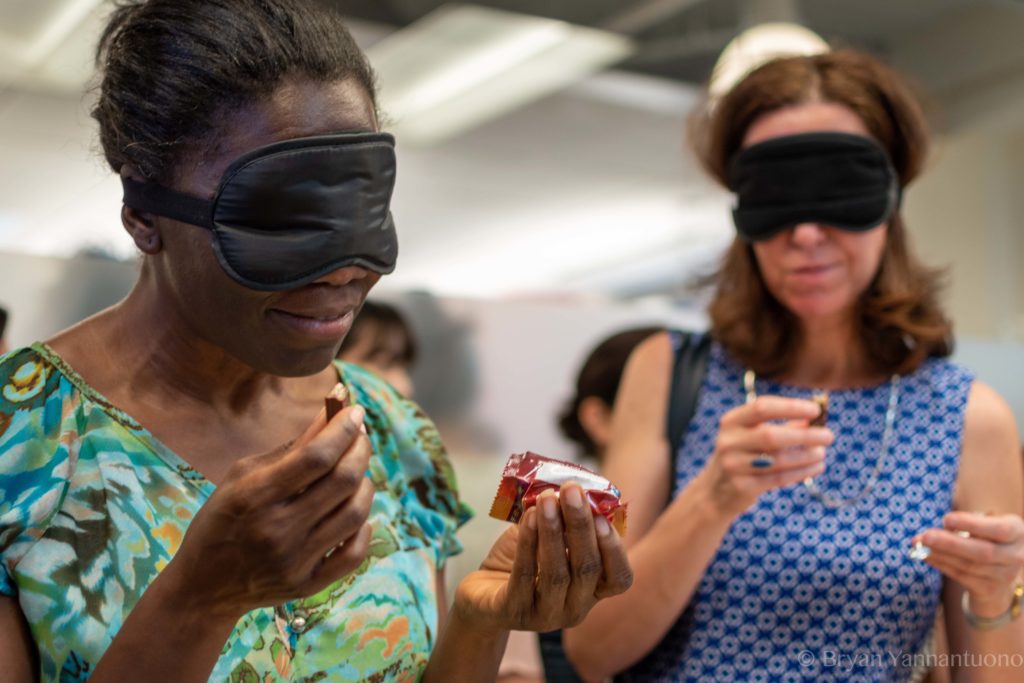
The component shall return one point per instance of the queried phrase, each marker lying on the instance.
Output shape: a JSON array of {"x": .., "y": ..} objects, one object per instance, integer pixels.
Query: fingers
[
  {"x": 585, "y": 564},
  {"x": 342, "y": 561},
  {"x": 304, "y": 465},
  {"x": 345, "y": 520},
  {"x": 769, "y": 409},
  {"x": 743, "y": 463},
  {"x": 617, "y": 576},
  {"x": 553, "y": 575},
  {"x": 1002, "y": 529},
  {"x": 769, "y": 438},
  {"x": 522, "y": 580},
  {"x": 976, "y": 552},
  {"x": 322, "y": 497}
]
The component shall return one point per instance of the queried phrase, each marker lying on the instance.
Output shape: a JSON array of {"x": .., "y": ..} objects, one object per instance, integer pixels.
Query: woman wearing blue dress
[{"x": 781, "y": 551}]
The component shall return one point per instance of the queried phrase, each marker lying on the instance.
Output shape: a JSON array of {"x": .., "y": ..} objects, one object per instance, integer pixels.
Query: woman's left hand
[
  {"x": 547, "y": 572},
  {"x": 987, "y": 563}
]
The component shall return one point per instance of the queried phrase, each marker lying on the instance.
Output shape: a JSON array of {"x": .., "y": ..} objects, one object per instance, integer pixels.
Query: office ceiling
[
  {"x": 680, "y": 39},
  {"x": 586, "y": 189}
]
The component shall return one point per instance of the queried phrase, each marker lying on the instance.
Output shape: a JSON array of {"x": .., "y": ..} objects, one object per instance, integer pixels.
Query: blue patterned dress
[
  {"x": 802, "y": 592},
  {"x": 93, "y": 507}
]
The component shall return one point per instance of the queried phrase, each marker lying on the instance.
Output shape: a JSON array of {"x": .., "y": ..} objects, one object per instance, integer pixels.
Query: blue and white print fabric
[{"x": 802, "y": 592}]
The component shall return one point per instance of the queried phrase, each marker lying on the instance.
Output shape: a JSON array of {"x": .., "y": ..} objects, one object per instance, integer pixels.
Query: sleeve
[
  {"x": 415, "y": 461},
  {"x": 34, "y": 462}
]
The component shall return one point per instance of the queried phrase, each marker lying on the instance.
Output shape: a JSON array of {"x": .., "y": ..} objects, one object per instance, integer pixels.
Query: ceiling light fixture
[{"x": 462, "y": 65}]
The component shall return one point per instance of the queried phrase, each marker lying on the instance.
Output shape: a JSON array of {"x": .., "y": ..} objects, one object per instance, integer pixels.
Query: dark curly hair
[
  {"x": 599, "y": 376},
  {"x": 172, "y": 69}
]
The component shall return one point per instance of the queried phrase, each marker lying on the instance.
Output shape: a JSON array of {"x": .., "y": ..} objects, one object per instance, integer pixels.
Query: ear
[
  {"x": 140, "y": 225},
  {"x": 596, "y": 417}
]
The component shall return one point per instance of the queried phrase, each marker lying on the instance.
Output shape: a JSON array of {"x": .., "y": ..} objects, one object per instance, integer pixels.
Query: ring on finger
[{"x": 763, "y": 461}]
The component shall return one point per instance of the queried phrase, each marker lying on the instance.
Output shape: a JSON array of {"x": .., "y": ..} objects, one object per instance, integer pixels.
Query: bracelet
[{"x": 990, "y": 623}]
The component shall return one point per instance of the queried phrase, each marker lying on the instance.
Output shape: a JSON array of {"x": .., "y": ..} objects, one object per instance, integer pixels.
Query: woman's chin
[{"x": 813, "y": 307}]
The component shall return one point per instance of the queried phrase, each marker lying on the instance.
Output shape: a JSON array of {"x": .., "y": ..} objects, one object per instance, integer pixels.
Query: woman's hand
[
  {"x": 284, "y": 524},
  {"x": 984, "y": 554},
  {"x": 762, "y": 445},
  {"x": 547, "y": 572}
]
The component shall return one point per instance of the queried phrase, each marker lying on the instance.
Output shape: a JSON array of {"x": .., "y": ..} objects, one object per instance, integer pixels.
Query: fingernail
[
  {"x": 573, "y": 496},
  {"x": 549, "y": 503},
  {"x": 531, "y": 518},
  {"x": 602, "y": 526},
  {"x": 357, "y": 415}
]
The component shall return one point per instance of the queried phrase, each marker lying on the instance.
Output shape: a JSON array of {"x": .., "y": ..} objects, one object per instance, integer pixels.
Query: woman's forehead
[
  {"x": 810, "y": 117},
  {"x": 296, "y": 109}
]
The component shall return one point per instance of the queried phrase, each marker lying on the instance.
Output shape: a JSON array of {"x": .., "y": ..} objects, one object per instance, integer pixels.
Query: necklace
[{"x": 749, "y": 378}]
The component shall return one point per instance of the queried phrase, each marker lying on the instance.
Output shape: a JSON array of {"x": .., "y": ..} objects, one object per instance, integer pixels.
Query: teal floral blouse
[{"x": 94, "y": 507}]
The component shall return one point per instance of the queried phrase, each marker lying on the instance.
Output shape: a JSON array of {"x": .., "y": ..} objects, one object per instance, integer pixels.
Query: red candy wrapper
[{"x": 527, "y": 475}]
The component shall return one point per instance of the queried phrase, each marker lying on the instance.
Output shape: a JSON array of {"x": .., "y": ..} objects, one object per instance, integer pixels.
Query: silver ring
[{"x": 763, "y": 461}]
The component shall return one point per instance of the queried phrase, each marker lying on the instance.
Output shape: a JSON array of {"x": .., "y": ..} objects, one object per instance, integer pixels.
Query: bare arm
[
  {"x": 17, "y": 649},
  {"x": 486, "y": 647},
  {"x": 990, "y": 480},
  {"x": 671, "y": 547}
]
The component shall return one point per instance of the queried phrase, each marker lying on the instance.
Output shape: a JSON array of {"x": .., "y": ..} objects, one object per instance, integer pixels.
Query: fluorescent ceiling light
[{"x": 462, "y": 65}]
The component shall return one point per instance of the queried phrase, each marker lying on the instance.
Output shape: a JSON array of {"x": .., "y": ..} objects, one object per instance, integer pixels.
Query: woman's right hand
[
  {"x": 768, "y": 429},
  {"x": 283, "y": 524}
]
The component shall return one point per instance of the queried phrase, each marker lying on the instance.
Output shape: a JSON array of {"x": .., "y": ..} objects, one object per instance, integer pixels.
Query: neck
[
  {"x": 831, "y": 356},
  {"x": 151, "y": 353}
]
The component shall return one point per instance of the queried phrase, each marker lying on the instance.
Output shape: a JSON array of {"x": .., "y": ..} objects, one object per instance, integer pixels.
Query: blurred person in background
[
  {"x": 586, "y": 419},
  {"x": 177, "y": 504},
  {"x": 774, "y": 543},
  {"x": 382, "y": 341}
]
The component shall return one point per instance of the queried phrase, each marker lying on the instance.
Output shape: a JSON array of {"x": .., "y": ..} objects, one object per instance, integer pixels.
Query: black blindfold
[
  {"x": 838, "y": 179},
  {"x": 290, "y": 212}
]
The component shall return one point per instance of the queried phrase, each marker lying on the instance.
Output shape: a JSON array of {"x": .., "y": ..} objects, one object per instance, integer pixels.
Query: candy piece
[
  {"x": 527, "y": 475},
  {"x": 920, "y": 552},
  {"x": 336, "y": 401},
  {"x": 822, "y": 418}
]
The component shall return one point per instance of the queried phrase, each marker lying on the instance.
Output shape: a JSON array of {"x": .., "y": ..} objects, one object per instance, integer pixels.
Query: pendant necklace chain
[{"x": 749, "y": 379}]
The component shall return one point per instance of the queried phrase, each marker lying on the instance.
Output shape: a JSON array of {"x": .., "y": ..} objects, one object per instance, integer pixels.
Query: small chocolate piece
[
  {"x": 822, "y": 418},
  {"x": 336, "y": 401}
]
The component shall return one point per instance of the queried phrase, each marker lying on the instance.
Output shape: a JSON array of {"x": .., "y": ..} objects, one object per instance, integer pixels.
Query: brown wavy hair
[{"x": 900, "y": 320}]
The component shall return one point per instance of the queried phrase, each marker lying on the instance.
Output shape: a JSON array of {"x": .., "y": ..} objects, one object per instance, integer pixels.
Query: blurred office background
[{"x": 545, "y": 194}]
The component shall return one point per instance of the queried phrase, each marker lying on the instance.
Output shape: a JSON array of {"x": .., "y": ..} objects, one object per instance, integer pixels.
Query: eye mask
[
  {"x": 290, "y": 212},
  {"x": 837, "y": 179}
]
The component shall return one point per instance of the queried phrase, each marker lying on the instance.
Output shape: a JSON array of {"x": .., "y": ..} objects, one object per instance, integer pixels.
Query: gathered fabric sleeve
[
  {"x": 410, "y": 459},
  {"x": 36, "y": 460}
]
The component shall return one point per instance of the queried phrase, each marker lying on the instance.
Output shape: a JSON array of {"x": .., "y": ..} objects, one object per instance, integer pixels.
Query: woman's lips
[
  {"x": 326, "y": 326},
  {"x": 812, "y": 274}
]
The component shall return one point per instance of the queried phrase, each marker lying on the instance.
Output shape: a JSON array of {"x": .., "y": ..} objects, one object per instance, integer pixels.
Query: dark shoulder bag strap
[{"x": 691, "y": 365}]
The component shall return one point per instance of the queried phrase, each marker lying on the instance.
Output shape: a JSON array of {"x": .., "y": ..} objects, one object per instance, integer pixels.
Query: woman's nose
[{"x": 808, "y": 234}]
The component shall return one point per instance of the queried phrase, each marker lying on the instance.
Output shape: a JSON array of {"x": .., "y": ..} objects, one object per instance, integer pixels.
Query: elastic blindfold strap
[{"x": 159, "y": 200}]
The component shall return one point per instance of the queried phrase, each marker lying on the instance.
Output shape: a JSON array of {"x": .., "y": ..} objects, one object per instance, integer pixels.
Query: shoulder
[
  {"x": 393, "y": 415},
  {"x": 990, "y": 462},
  {"x": 36, "y": 455},
  {"x": 988, "y": 417},
  {"x": 28, "y": 382},
  {"x": 654, "y": 355},
  {"x": 409, "y": 451}
]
